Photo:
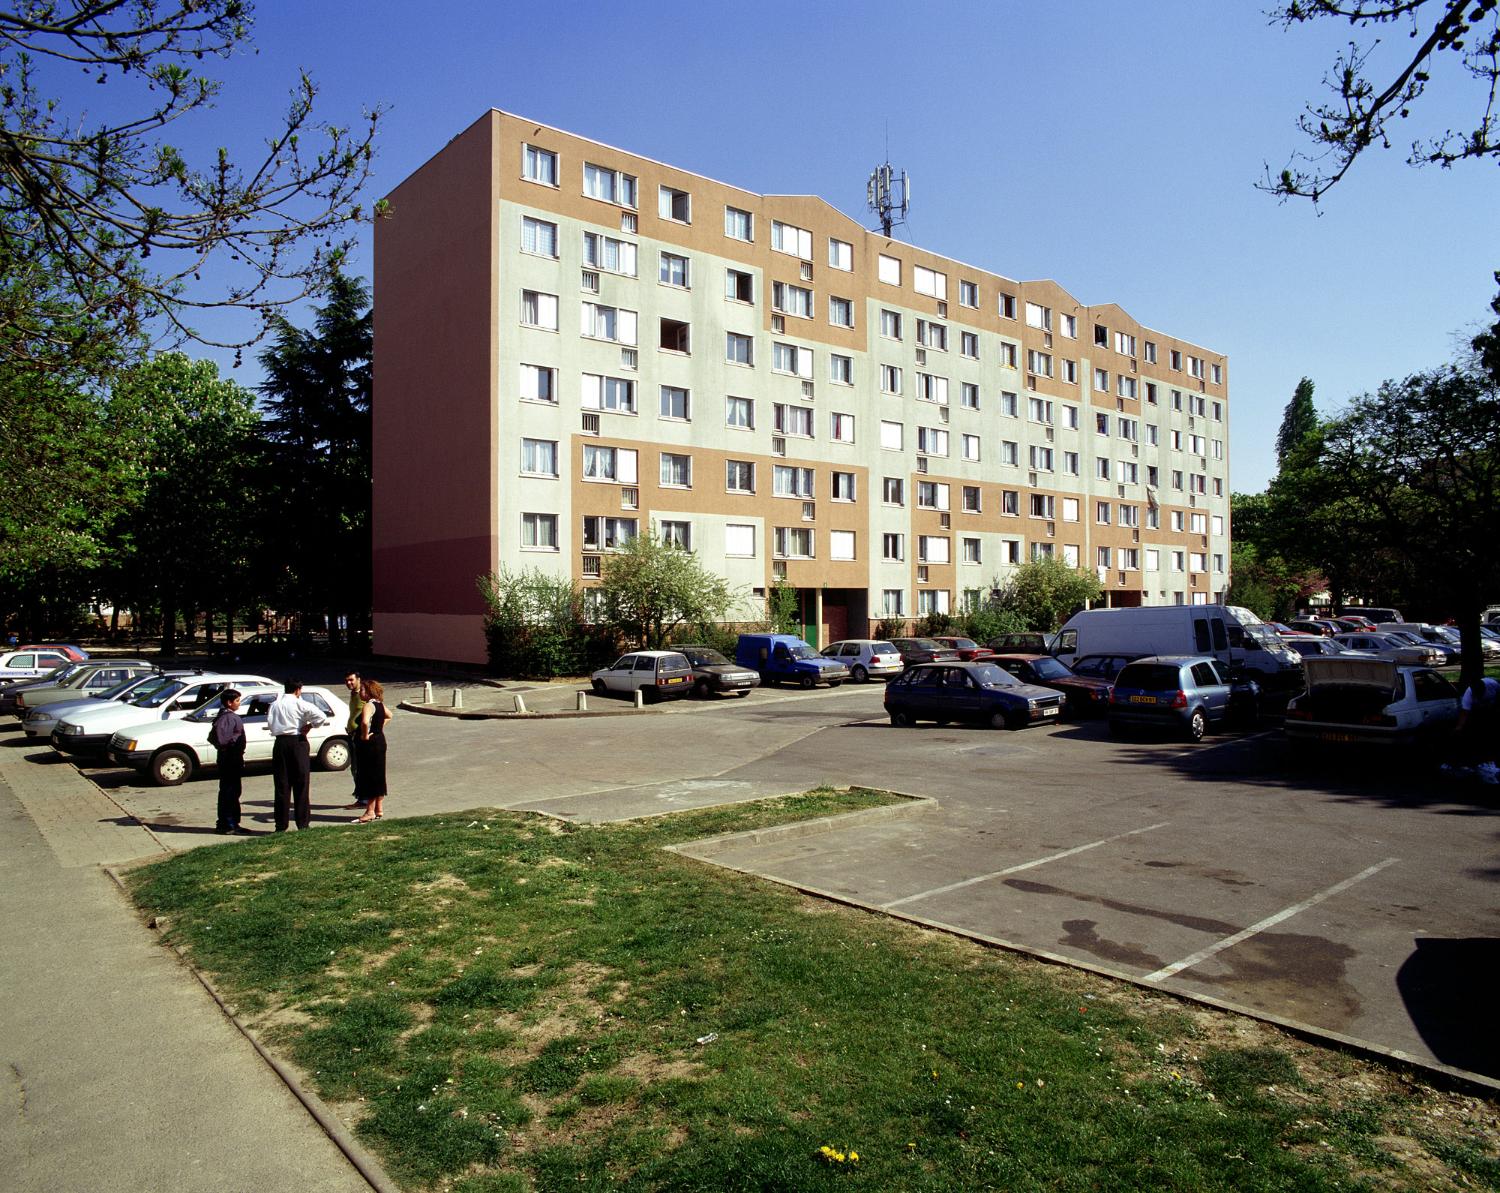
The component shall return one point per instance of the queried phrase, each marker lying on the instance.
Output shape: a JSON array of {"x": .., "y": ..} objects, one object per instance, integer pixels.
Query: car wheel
[
  {"x": 599, "y": 688},
  {"x": 858, "y": 674},
  {"x": 807, "y": 681},
  {"x": 833, "y": 683},
  {"x": 700, "y": 690},
  {"x": 170, "y": 767},
  {"x": 335, "y": 754},
  {"x": 1197, "y": 725},
  {"x": 901, "y": 720},
  {"x": 1117, "y": 729},
  {"x": 940, "y": 721},
  {"x": 648, "y": 695},
  {"x": 743, "y": 694}
]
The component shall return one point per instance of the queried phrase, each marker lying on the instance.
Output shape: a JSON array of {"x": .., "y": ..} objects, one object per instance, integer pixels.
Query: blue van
[{"x": 785, "y": 657}]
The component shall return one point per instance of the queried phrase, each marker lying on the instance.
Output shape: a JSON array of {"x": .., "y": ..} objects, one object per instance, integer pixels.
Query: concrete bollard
[
  {"x": 583, "y": 702},
  {"x": 427, "y": 691},
  {"x": 520, "y": 702},
  {"x": 458, "y": 697},
  {"x": 640, "y": 698}
]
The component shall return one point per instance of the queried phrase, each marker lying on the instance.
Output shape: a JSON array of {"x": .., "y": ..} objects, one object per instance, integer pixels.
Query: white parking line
[
  {"x": 1270, "y": 921},
  {"x": 1041, "y": 861}
]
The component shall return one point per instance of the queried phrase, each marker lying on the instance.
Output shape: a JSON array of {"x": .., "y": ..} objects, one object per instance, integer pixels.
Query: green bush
[{"x": 535, "y": 628}]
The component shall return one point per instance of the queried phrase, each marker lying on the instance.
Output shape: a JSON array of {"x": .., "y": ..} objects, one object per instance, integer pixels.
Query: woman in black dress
[{"x": 369, "y": 781}]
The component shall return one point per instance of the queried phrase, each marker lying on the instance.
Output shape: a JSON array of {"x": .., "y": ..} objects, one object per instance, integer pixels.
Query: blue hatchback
[{"x": 1184, "y": 693}]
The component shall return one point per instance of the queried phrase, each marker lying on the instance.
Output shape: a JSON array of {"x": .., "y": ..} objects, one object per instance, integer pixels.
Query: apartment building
[{"x": 575, "y": 344}]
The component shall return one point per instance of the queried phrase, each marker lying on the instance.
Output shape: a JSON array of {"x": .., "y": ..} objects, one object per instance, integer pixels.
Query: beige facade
[{"x": 574, "y": 343}]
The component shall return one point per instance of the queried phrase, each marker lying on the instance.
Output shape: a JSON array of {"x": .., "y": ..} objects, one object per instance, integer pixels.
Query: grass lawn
[{"x": 497, "y": 1001}]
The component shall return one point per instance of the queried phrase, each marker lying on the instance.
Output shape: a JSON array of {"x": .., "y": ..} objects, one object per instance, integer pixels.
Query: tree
[
  {"x": 106, "y": 228},
  {"x": 316, "y": 466},
  {"x": 652, "y": 586},
  {"x": 1298, "y": 421},
  {"x": 1046, "y": 592},
  {"x": 1364, "y": 108}
]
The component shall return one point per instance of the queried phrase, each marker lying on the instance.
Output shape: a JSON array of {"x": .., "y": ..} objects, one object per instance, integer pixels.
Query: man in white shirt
[{"x": 289, "y": 720}]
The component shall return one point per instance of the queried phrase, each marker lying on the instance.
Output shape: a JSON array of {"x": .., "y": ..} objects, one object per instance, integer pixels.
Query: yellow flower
[{"x": 854, "y": 1156}]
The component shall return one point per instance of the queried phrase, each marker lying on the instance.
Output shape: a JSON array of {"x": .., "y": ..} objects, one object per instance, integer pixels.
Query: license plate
[
  {"x": 1143, "y": 700},
  {"x": 1049, "y": 712},
  {"x": 1337, "y": 737},
  {"x": 676, "y": 679}
]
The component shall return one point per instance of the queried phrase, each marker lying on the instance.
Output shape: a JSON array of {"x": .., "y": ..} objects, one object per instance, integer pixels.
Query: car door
[
  {"x": 963, "y": 695},
  {"x": 255, "y": 714},
  {"x": 1213, "y": 690},
  {"x": 643, "y": 674},
  {"x": 1436, "y": 700},
  {"x": 617, "y": 678}
]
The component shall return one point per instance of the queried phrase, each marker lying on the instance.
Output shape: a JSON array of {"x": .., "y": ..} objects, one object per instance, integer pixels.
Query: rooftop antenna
[{"x": 888, "y": 195}]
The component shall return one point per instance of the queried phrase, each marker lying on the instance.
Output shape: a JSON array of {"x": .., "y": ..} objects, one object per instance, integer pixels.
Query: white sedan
[
  {"x": 1375, "y": 701},
  {"x": 171, "y": 752}
]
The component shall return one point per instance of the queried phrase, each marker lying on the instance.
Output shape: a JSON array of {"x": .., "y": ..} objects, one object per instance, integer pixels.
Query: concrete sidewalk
[{"x": 124, "y": 1074}]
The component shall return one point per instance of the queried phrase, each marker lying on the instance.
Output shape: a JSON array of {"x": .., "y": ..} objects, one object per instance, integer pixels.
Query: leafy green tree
[
  {"x": 316, "y": 460},
  {"x": 106, "y": 227},
  {"x": 1298, "y": 422},
  {"x": 535, "y": 625},
  {"x": 651, "y": 587},
  {"x": 1046, "y": 592},
  {"x": 1462, "y": 36}
]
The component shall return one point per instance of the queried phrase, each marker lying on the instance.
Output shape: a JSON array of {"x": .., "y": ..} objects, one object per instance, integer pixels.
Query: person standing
[
  {"x": 228, "y": 739},
  {"x": 289, "y": 720},
  {"x": 1478, "y": 727},
  {"x": 371, "y": 749},
  {"x": 351, "y": 730}
]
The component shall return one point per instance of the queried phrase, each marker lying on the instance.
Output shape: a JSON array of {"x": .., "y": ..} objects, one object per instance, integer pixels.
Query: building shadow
[{"x": 1448, "y": 986}]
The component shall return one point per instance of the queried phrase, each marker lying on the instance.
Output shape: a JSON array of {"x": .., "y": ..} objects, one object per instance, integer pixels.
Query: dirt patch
[
  {"x": 648, "y": 1068},
  {"x": 448, "y": 882}
]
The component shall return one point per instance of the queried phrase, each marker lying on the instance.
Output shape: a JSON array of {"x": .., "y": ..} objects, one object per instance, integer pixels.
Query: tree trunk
[{"x": 168, "y": 628}]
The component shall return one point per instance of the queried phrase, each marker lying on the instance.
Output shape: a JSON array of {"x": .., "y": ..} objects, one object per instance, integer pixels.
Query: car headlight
[
  {"x": 127, "y": 745},
  {"x": 67, "y": 728}
]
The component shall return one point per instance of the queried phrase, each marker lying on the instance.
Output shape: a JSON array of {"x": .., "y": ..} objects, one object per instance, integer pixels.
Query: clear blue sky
[{"x": 1110, "y": 146}]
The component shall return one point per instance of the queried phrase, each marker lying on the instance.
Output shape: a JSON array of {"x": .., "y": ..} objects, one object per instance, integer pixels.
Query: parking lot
[{"x": 1355, "y": 901}]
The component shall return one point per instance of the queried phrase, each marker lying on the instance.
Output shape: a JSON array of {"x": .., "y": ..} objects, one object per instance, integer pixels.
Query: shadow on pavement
[{"x": 1448, "y": 987}]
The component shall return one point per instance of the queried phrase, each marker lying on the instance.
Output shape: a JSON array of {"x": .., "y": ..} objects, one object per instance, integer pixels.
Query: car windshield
[
  {"x": 991, "y": 676},
  {"x": 964, "y": 643},
  {"x": 1403, "y": 638},
  {"x": 1152, "y": 677},
  {"x": 704, "y": 657},
  {"x": 802, "y": 651},
  {"x": 1266, "y": 636},
  {"x": 1050, "y": 669},
  {"x": 121, "y": 688},
  {"x": 156, "y": 697},
  {"x": 884, "y": 648},
  {"x": 925, "y": 644}
]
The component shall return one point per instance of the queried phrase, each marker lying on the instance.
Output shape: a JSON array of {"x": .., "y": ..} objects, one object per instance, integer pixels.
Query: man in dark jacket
[{"x": 228, "y": 739}]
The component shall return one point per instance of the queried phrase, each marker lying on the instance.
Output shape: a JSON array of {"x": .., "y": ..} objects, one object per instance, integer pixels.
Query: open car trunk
[{"x": 1349, "y": 689}]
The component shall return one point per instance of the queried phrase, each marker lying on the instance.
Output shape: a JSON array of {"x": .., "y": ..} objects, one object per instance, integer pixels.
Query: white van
[{"x": 1212, "y": 630}]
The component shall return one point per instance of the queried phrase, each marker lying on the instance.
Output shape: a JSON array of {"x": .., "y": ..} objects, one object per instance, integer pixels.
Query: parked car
[
  {"x": 1354, "y": 699},
  {"x": 968, "y": 649},
  {"x": 40, "y": 722},
  {"x": 1313, "y": 625},
  {"x": 1445, "y": 637},
  {"x": 17, "y": 665},
  {"x": 80, "y": 680},
  {"x": 1353, "y": 625},
  {"x": 1447, "y": 649},
  {"x": 1411, "y": 654},
  {"x": 1307, "y": 647},
  {"x": 1022, "y": 642},
  {"x": 866, "y": 658},
  {"x": 171, "y": 752},
  {"x": 712, "y": 672},
  {"x": 1186, "y": 693},
  {"x": 1104, "y": 666},
  {"x": 1285, "y": 630},
  {"x": 778, "y": 657},
  {"x": 75, "y": 654},
  {"x": 923, "y": 650},
  {"x": 656, "y": 674},
  {"x": 956, "y": 691},
  {"x": 9, "y": 692},
  {"x": 1374, "y": 614},
  {"x": 1084, "y": 695},
  {"x": 86, "y": 733}
]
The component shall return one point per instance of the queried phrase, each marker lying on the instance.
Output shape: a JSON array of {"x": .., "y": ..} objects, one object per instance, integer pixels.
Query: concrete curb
[
  {"x": 479, "y": 714},
  {"x": 343, "y": 1139},
  {"x": 706, "y": 848}
]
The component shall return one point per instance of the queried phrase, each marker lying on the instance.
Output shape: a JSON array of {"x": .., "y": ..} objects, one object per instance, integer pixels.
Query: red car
[
  {"x": 1087, "y": 695},
  {"x": 968, "y": 649},
  {"x": 75, "y": 654}
]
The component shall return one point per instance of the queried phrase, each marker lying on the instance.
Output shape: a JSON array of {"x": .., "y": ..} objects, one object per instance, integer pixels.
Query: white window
[
  {"x": 608, "y": 323},
  {"x": 1104, "y": 554},
  {"x": 538, "y": 237},
  {"x": 1010, "y": 551},
  {"x": 538, "y": 383},
  {"x": 932, "y": 335},
  {"x": 673, "y": 204},
  {"x": 739, "y": 349},
  {"x": 676, "y": 470},
  {"x": 678, "y": 534},
  {"x": 1007, "y": 354},
  {"x": 889, "y": 270},
  {"x": 840, "y": 311},
  {"x": 1101, "y": 467},
  {"x": 893, "y": 547},
  {"x": 1038, "y": 316},
  {"x": 1125, "y": 387},
  {"x": 609, "y": 185},
  {"x": 971, "y": 551},
  {"x": 932, "y": 548},
  {"x": 843, "y": 486},
  {"x": 971, "y": 447},
  {"x": 674, "y": 270},
  {"x": 739, "y": 540},
  {"x": 971, "y": 499},
  {"x": 1198, "y": 523},
  {"x": 1040, "y": 458},
  {"x": 1009, "y": 404},
  {"x": 840, "y": 369},
  {"x": 1039, "y": 410},
  {"x": 739, "y": 286},
  {"x": 607, "y": 393},
  {"x": 968, "y": 395},
  {"x": 932, "y": 495},
  {"x": 1010, "y": 503},
  {"x": 1039, "y": 363},
  {"x": 1010, "y": 452},
  {"x": 1195, "y": 367},
  {"x": 840, "y": 255},
  {"x": 1153, "y": 556},
  {"x": 609, "y": 254},
  {"x": 739, "y": 476},
  {"x": 1101, "y": 512},
  {"x": 932, "y": 441},
  {"x": 1149, "y": 351},
  {"x": 841, "y": 544},
  {"x": 929, "y": 282},
  {"x": 893, "y": 602},
  {"x": 968, "y": 294},
  {"x": 932, "y": 389},
  {"x": 1069, "y": 326},
  {"x": 539, "y": 165},
  {"x": 1218, "y": 524},
  {"x": 539, "y": 532},
  {"x": 609, "y": 464},
  {"x": 787, "y": 481},
  {"x": 1197, "y": 561},
  {"x": 890, "y": 436},
  {"x": 1007, "y": 306},
  {"x": 968, "y": 344},
  {"x": 1101, "y": 380},
  {"x": 792, "y": 300},
  {"x": 793, "y": 542},
  {"x": 739, "y": 412},
  {"x": 890, "y": 379},
  {"x": 739, "y": 225},
  {"x": 1070, "y": 417},
  {"x": 1178, "y": 559},
  {"x": 539, "y": 457},
  {"x": 890, "y": 324},
  {"x": 788, "y": 358},
  {"x": 792, "y": 420},
  {"x": 1218, "y": 371},
  {"x": 792, "y": 240},
  {"x": 894, "y": 491},
  {"x": 1124, "y": 344},
  {"x": 1127, "y": 472},
  {"x": 538, "y": 310},
  {"x": 841, "y": 427},
  {"x": 932, "y": 600},
  {"x": 1070, "y": 509},
  {"x": 605, "y": 534},
  {"x": 1070, "y": 463},
  {"x": 675, "y": 402}
]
